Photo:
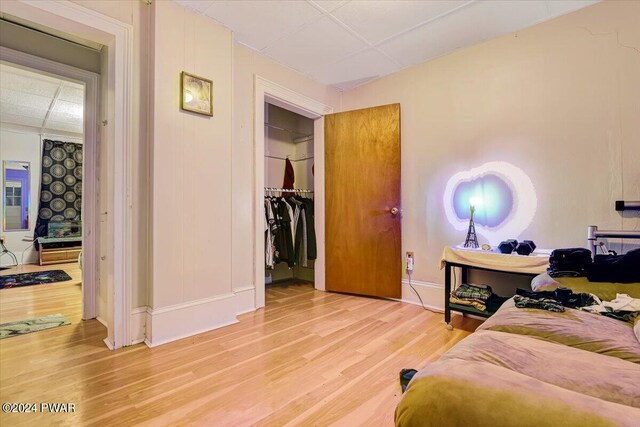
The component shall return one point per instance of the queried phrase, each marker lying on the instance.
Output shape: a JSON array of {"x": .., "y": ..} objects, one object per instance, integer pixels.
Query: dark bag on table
[
  {"x": 616, "y": 268},
  {"x": 569, "y": 262}
]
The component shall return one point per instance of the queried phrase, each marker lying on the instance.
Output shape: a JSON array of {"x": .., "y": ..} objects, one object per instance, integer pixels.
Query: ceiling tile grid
[
  {"x": 345, "y": 43},
  {"x": 40, "y": 102}
]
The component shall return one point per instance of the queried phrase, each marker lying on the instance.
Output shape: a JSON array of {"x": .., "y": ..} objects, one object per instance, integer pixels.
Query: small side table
[{"x": 478, "y": 259}]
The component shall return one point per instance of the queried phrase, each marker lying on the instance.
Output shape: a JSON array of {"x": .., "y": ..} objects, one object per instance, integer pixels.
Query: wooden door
[{"x": 362, "y": 187}]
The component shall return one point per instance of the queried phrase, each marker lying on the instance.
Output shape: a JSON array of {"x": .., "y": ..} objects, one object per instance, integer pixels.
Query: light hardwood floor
[
  {"x": 309, "y": 358},
  {"x": 25, "y": 302}
]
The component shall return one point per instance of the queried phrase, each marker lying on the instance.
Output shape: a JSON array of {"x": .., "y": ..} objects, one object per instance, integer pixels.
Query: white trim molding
[
  {"x": 117, "y": 36},
  {"x": 138, "y": 324},
  {"x": 275, "y": 94},
  {"x": 178, "y": 321},
  {"x": 90, "y": 147},
  {"x": 432, "y": 294},
  {"x": 246, "y": 299}
]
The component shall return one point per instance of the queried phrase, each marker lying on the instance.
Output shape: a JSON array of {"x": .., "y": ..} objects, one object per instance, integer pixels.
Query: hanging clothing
[
  {"x": 312, "y": 252},
  {"x": 270, "y": 224},
  {"x": 289, "y": 177},
  {"x": 289, "y": 231},
  {"x": 287, "y": 254}
]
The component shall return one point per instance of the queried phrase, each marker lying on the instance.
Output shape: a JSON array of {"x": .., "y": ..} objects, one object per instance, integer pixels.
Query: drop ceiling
[
  {"x": 347, "y": 43},
  {"x": 41, "y": 103}
]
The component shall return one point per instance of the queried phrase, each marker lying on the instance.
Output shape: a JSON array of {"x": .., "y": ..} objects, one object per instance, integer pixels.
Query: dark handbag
[
  {"x": 569, "y": 262},
  {"x": 616, "y": 268}
]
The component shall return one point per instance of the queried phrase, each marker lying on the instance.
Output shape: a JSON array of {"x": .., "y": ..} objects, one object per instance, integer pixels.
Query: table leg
[{"x": 447, "y": 292}]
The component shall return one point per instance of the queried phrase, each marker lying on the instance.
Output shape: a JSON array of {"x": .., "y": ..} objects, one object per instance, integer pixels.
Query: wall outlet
[{"x": 409, "y": 260}]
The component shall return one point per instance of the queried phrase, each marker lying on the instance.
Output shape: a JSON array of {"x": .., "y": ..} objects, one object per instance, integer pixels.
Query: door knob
[{"x": 394, "y": 211}]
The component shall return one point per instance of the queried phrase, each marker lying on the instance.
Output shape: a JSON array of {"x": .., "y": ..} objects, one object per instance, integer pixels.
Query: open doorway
[
  {"x": 47, "y": 148},
  {"x": 116, "y": 134},
  {"x": 308, "y": 145},
  {"x": 290, "y": 240}
]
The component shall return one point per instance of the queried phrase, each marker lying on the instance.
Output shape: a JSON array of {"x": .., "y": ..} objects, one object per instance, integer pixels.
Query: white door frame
[
  {"x": 273, "y": 93},
  {"x": 118, "y": 37},
  {"x": 89, "y": 199}
]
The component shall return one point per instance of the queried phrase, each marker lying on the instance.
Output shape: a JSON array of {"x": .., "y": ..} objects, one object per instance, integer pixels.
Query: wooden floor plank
[{"x": 308, "y": 358}]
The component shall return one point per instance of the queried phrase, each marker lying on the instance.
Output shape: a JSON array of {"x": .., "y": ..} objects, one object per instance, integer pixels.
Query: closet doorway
[
  {"x": 290, "y": 242},
  {"x": 308, "y": 151}
]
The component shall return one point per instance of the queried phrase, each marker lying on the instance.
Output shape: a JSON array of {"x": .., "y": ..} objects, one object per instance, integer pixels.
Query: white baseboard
[
  {"x": 432, "y": 294},
  {"x": 166, "y": 324},
  {"x": 101, "y": 320},
  {"x": 138, "y": 325},
  {"x": 246, "y": 299}
]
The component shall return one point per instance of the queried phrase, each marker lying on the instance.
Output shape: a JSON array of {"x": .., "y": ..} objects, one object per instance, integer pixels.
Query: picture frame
[{"x": 196, "y": 94}]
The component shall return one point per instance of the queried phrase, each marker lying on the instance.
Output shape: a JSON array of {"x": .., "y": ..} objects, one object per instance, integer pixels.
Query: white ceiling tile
[
  {"x": 20, "y": 120},
  {"x": 363, "y": 66},
  {"x": 471, "y": 25},
  {"x": 329, "y": 5},
  {"x": 21, "y": 110},
  {"x": 72, "y": 93},
  {"x": 27, "y": 96},
  {"x": 258, "y": 23},
  {"x": 15, "y": 97},
  {"x": 27, "y": 84},
  {"x": 68, "y": 109},
  {"x": 196, "y": 5},
  {"x": 560, "y": 7},
  {"x": 322, "y": 42},
  {"x": 380, "y": 19},
  {"x": 301, "y": 36}
]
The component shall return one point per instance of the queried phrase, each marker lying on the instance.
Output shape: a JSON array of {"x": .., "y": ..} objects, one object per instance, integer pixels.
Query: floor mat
[
  {"x": 36, "y": 278},
  {"x": 22, "y": 327}
]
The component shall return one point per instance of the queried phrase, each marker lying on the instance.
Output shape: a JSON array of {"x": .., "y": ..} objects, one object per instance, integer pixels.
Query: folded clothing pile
[
  {"x": 480, "y": 297},
  {"x": 570, "y": 262},
  {"x": 555, "y": 300}
]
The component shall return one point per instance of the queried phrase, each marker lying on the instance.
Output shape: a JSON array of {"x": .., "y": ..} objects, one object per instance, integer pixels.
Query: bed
[{"x": 529, "y": 367}]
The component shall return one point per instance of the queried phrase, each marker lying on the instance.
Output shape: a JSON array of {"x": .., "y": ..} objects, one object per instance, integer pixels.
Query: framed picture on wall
[{"x": 196, "y": 94}]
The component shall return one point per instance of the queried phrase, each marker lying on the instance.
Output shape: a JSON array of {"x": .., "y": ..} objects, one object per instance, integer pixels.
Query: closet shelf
[
  {"x": 291, "y": 158},
  {"x": 302, "y": 136}
]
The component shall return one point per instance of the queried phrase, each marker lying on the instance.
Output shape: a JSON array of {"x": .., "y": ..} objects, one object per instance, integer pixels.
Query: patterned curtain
[{"x": 61, "y": 184}]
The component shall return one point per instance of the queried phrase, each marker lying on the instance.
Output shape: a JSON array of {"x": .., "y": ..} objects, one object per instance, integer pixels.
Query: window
[{"x": 13, "y": 193}]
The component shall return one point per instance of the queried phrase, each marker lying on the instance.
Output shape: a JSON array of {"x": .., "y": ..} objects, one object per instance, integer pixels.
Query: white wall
[
  {"x": 560, "y": 100},
  {"x": 191, "y": 179},
  {"x": 24, "y": 147}
]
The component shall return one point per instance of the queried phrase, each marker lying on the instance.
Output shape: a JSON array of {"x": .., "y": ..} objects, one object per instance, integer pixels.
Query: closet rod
[
  {"x": 287, "y": 130},
  {"x": 288, "y": 190},
  {"x": 290, "y": 159}
]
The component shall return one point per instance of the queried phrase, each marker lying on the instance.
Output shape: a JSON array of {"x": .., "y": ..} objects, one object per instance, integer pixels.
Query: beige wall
[
  {"x": 191, "y": 161},
  {"x": 560, "y": 100}
]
